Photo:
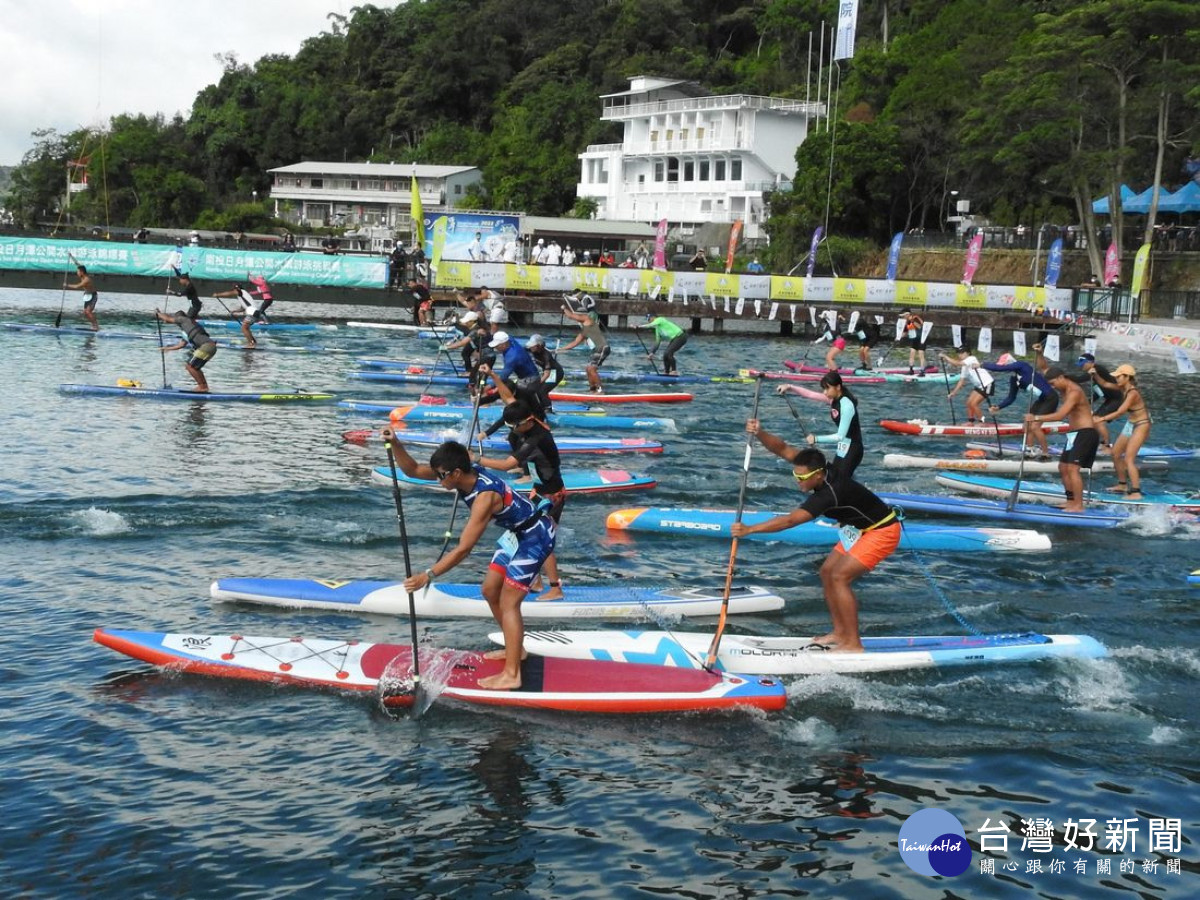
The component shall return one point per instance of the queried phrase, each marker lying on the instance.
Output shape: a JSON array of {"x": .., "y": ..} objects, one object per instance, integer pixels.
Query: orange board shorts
[{"x": 873, "y": 547}]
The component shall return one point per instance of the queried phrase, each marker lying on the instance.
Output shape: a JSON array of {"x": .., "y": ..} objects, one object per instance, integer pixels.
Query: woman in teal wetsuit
[{"x": 843, "y": 409}]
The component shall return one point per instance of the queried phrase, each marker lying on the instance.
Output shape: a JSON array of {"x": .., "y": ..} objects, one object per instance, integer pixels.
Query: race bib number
[
  {"x": 843, "y": 447},
  {"x": 1127, "y": 431},
  {"x": 508, "y": 543},
  {"x": 849, "y": 536}
]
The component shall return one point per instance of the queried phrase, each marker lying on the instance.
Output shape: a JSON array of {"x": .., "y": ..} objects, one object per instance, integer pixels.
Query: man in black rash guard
[{"x": 870, "y": 533}]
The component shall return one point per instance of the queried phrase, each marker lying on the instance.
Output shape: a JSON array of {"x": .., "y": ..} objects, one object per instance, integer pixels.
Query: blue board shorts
[
  {"x": 202, "y": 354},
  {"x": 522, "y": 566}
]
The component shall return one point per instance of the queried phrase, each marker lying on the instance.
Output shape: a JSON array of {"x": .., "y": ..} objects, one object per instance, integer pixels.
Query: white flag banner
[
  {"x": 843, "y": 47},
  {"x": 985, "y": 340},
  {"x": 712, "y": 302},
  {"x": 1089, "y": 345},
  {"x": 956, "y": 336},
  {"x": 741, "y": 304},
  {"x": 671, "y": 294},
  {"x": 757, "y": 307},
  {"x": 899, "y": 328},
  {"x": 1184, "y": 362},
  {"x": 928, "y": 327},
  {"x": 793, "y": 306},
  {"x": 726, "y": 304},
  {"x": 774, "y": 312},
  {"x": 1018, "y": 343},
  {"x": 1050, "y": 349},
  {"x": 812, "y": 316},
  {"x": 655, "y": 291}
]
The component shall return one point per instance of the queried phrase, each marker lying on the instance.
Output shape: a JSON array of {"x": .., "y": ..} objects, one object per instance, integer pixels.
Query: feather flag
[
  {"x": 1054, "y": 263},
  {"x": 971, "y": 264},
  {"x": 660, "y": 246},
  {"x": 894, "y": 256},
  {"x": 812, "y": 253},
  {"x": 735, "y": 235},
  {"x": 418, "y": 215},
  {"x": 1112, "y": 265},
  {"x": 1139, "y": 270}
]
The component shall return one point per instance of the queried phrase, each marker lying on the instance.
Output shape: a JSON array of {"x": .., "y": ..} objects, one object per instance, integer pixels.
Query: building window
[
  {"x": 699, "y": 135},
  {"x": 704, "y": 170},
  {"x": 705, "y": 206},
  {"x": 689, "y": 171},
  {"x": 683, "y": 135},
  {"x": 641, "y": 180},
  {"x": 658, "y": 171},
  {"x": 316, "y": 182},
  {"x": 735, "y": 170},
  {"x": 672, "y": 168},
  {"x": 719, "y": 170},
  {"x": 670, "y": 135}
]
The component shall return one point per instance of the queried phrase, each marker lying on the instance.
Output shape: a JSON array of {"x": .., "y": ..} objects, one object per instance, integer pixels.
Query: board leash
[
  {"x": 928, "y": 574},
  {"x": 711, "y": 660}
]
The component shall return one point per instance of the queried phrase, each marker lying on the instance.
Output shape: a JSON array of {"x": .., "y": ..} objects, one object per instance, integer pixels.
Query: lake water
[{"x": 123, "y": 781}]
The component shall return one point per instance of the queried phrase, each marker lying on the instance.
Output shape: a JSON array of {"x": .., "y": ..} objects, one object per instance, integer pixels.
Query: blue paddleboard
[
  {"x": 596, "y": 481},
  {"x": 1053, "y": 493},
  {"x": 488, "y": 414},
  {"x": 170, "y": 393},
  {"x": 997, "y": 509}
]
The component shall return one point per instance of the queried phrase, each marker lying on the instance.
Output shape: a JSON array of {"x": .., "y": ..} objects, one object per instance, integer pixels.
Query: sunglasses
[
  {"x": 807, "y": 475},
  {"x": 442, "y": 476}
]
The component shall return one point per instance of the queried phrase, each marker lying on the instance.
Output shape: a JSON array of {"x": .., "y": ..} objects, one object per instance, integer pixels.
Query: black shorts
[
  {"x": 915, "y": 342},
  {"x": 599, "y": 356},
  {"x": 1044, "y": 405},
  {"x": 987, "y": 392},
  {"x": 89, "y": 300},
  {"x": 1081, "y": 448},
  {"x": 1108, "y": 406}
]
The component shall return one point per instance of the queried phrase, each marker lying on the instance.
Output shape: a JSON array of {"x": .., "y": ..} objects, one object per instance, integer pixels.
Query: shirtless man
[
  {"x": 1082, "y": 440},
  {"x": 90, "y": 296}
]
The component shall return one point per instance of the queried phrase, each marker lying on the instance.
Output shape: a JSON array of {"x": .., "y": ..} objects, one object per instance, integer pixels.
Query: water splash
[{"x": 100, "y": 522}]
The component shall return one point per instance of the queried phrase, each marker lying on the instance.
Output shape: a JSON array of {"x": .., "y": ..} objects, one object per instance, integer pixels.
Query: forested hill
[{"x": 1026, "y": 107}]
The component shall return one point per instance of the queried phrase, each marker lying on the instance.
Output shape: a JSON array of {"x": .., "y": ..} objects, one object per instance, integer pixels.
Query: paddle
[
  {"x": 161, "y": 354},
  {"x": 795, "y": 415},
  {"x": 649, "y": 355},
  {"x": 711, "y": 661},
  {"x": 62, "y": 304},
  {"x": 1016, "y": 488},
  {"x": 418, "y": 688},
  {"x": 466, "y": 442},
  {"x": 949, "y": 399}
]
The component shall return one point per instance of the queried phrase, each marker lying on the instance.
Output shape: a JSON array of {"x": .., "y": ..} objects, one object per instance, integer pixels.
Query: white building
[
  {"x": 693, "y": 158},
  {"x": 365, "y": 195}
]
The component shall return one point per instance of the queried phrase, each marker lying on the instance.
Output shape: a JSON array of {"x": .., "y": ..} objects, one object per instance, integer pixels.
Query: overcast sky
[{"x": 74, "y": 63}]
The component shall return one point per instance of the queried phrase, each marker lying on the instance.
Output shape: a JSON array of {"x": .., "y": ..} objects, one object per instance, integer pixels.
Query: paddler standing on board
[
  {"x": 665, "y": 330},
  {"x": 870, "y": 532},
  {"x": 1082, "y": 440},
  {"x": 1042, "y": 396},
  {"x": 90, "y": 296},
  {"x": 983, "y": 383},
  {"x": 590, "y": 331},
  {"x": 528, "y": 540},
  {"x": 203, "y": 346}
]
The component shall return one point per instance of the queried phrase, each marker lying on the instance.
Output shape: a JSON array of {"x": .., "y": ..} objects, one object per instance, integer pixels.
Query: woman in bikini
[{"x": 1133, "y": 435}]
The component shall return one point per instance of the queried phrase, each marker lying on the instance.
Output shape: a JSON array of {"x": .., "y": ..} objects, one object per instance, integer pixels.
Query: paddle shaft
[
  {"x": 62, "y": 304},
  {"x": 412, "y": 602},
  {"x": 795, "y": 415},
  {"x": 649, "y": 355},
  {"x": 949, "y": 399},
  {"x": 711, "y": 661},
  {"x": 466, "y": 441},
  {"x": 1016, "y": 488}
]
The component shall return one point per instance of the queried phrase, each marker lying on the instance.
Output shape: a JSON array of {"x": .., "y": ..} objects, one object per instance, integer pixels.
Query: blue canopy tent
[
  {"x": 1184, "y": 200},
  {"x": 1140, "y": 203},
  {"x": 1101, "y": 205}
]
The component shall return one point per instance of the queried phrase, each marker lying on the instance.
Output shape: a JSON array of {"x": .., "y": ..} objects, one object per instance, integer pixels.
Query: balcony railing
[{"x": 699, "y": 104}]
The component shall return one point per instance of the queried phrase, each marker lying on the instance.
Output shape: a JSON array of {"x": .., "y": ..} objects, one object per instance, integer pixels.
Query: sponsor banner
[
  {"x": 912, "y": 293},
  {"x": 850, "y": 290},
  {"x": 649, "y": 279},
  {"x": 968, "y": 297},
  {"x": 881, "y": 291},
  {"x": 463, "y": 230},
  {"x": 203, "y": 263},
  {"x": 454, "y": 274},
  {"x": 786, "y": 287},
  {"x": 521, "y": 277},
  {"x": 721, "y": 284}
]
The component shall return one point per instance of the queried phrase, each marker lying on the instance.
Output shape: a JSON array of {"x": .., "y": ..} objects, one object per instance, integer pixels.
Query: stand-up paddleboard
[
  {"x": 1053, "y": 493},
  {"x": 490, "y": 414},
  {"x": 862, "y": 378},
  {"x": 800, "y": 656},
  {"x": 809, "y": 368},
  {"x": 977, "y": 507},
  {"x": 1007, "y": 466},
  {"x": 399, "y": 326},
  {"x": 170, "y": 393},
  {"x": 466, "y": 409},
  {"x": 820, "y": 532},
  {"x": 1194, "y": 577},
  {"x": 606, "y": 397},
  {"x": 924, "y": 429},
  {"x": 446, "y": 600},
  {"x": 77, "y": 331},
  {"x": 597, "y": 481},
  {"x": 1145, "y": 453},
  {"x": 352, "y": 665},
  {"x": 268, "y": 326},
  {"x": 565, "y": 444}
]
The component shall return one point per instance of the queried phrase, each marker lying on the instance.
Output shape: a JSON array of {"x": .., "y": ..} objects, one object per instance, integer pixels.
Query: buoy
[{"x": 975, "y": 454}]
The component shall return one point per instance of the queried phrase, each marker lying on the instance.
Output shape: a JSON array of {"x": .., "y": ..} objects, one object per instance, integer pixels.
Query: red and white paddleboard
[
  {"x": 847, "y": 370},
  {"x": 561, "y": 684},
  {"x": 590, "y": 397},
  {"x": 923, "y": 428},
  {"x": 817, "y": 376}
]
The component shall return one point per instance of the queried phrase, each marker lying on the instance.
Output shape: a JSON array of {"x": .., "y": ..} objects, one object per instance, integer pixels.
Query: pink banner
[
  {"x": 1112, "y": 265},
  {"x": 974, "y": 250},
  {"x": 735, "y": 235},
  {"x": 660, "y": 246}
]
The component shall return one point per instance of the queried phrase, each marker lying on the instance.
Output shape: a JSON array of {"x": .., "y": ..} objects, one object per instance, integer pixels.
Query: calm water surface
[{"x": 123, "y": 781}]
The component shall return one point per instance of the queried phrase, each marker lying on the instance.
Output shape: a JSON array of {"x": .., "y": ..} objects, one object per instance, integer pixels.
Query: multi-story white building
[
  {"x": 693, "y": 158},
  {"x": 364, "y": 195}
]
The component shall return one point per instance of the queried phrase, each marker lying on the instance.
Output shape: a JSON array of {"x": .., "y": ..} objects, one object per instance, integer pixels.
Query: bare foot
[
  {"x": 501, "y": 682},
  {"x": 555, "y": 593},
  {"x": 1073, "y": 508},
  {"x": 499, "y": 654},
  {"x": 826, "y": 639},
  {"x": 1134, "y": 494},
  {"x": 847, "y": 648}
]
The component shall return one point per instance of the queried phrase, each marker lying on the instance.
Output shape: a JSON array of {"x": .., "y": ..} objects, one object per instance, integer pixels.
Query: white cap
[
  {"x": 535, "y": 340},
  {"x": 469, "y": 316},
  {"x": 500, "y": 337},
  {"x": 541, "y": 240}
]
